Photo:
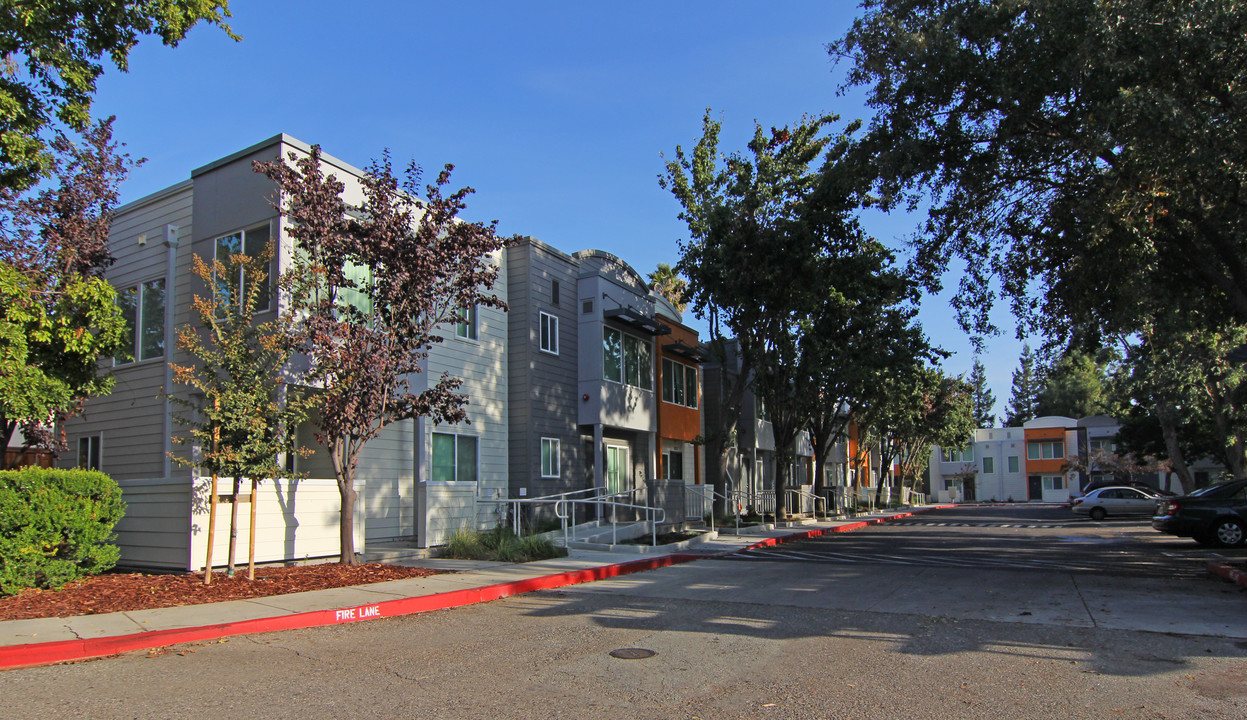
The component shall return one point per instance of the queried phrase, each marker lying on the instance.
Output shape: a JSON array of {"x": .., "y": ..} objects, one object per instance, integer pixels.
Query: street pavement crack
[
  {"x": 1074, "y": 579},
  {"x": 75, "y": 632}
]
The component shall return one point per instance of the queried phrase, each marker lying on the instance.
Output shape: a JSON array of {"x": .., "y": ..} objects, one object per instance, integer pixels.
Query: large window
[
  {"x": 466, "y": 328},
  {"x": 989, "y": 466},
  {"x": 549, "y": 457},
  {"x": 1045, "y": 450},
  {"x": 627, "y": 359},
  {"x": 1104, "y": 444},
  {"x": 1053, "y": 482},
  {"x": 252, "y": 243},
  {"x": 955, "y": 455},
  {"x": 679, "y": 383},
  {"x": 143, "y": 309},
  {"x": 1013, "y": 463},
  {"x": 89, "y": 452},
  {"x": 549, "y": 325},
  {"x": 673, "y": 465},
  {"x": 454, "y": 457}
]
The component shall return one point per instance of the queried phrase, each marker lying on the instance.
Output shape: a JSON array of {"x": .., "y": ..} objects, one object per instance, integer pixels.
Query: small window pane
[
  {"x": 127, "y": 300},
  {"x": 645, "y": 363},
  {"x": 612, "y": 354},
  {"x": 466, "y": 459},
  {"x": 690, "y": 386},
  {"x": 443, "y": 457},
  {"x": 152, "y": 341},
  {"x": 668, "y": 387}
]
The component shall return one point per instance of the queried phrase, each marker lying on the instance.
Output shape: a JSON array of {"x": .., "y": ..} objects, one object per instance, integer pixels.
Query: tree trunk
[
  {"x": 1170, "y": 433},
  {"x": 344, "y": 472}
]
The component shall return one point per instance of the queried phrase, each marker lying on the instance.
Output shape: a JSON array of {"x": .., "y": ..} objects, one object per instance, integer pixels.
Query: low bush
[
  {"x": 499, "y": 544},
  {"x": 56, "y": 526}
]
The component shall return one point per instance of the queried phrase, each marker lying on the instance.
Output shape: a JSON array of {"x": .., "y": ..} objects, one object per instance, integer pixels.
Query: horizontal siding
[
  {"x": 155, "y": 530},
  {"x": 451, "y": 507}
]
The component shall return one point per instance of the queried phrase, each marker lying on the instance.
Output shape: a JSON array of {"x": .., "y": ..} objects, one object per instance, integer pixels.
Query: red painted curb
[
  {"x": 1227, "y": 572},
  {"x": 849, "y": 527},
  {"x": 18, "y": 656}
]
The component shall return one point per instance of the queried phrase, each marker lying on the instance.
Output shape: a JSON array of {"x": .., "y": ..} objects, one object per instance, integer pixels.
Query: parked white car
[{"x": 1115, "y": 500}]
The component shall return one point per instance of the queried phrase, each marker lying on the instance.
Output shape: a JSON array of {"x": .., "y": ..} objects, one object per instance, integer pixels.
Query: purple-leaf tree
[{"x": 370, "y": 286}]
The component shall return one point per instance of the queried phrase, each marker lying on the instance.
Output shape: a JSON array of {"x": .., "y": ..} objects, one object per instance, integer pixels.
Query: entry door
[
  {"x": 1034, "y": 487},
  {"x": 616, "y": 468}
]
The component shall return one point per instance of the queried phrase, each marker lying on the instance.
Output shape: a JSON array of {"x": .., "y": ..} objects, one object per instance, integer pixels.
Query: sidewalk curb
[
  {"x": 18, "y": 656},
  {"x": 60, "y": 651},
  {"x": 1227, "y": 572}
]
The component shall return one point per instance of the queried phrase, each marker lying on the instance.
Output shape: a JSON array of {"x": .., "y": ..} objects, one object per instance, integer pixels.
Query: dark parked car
[{"x": 1215, "y": 515}]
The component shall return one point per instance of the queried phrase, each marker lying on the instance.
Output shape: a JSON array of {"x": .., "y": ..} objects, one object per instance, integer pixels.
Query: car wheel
[
  {"x": 1229, "y": 533},
  {"x": 1098, "y": 514}
]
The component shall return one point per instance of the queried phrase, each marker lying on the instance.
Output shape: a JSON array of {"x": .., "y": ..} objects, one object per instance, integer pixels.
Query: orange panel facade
[
  {"x": 679, "y": 422},
  {"x": 1052, "y": 466}
]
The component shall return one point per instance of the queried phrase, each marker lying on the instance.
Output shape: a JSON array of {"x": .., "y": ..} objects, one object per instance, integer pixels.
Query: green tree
[
  {"x": 1055, "y": 140},
  {"x": 1075, "y": 386},
  {"x": 922, "y": 408},
  {"x": 756, "y": 220},
  {"x": 667, "y": 283},
  {"x": 365, "y": 338},
  {"x": 52, "y": 57},
  {"x": 58, "y": 316},
  {"x": 1025, "y": 390},
  {"x": 984, "y": 399},
  {"x": 241, "y": 415}
]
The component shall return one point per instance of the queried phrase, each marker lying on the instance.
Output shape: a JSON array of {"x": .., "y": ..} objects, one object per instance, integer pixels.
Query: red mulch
[{"x": 119, "y": 592}]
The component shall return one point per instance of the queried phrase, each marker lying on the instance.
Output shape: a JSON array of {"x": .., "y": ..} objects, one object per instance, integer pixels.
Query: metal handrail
[
  {"x": 516, "y": 503},
  {"x": 561, "y": 507},
  {"x": 800, "y": 492},
  {"x": 701, "y": 490}
]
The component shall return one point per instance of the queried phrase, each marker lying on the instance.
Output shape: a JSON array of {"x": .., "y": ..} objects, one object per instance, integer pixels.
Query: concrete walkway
[{"x": 44, "y": 641}]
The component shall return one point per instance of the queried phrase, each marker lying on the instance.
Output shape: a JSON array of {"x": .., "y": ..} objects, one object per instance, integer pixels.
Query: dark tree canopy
[
  {"x": 1091, "y": 150},
  {"x": 984, "y": 400},
  {"x": 1025, "y": 390}
]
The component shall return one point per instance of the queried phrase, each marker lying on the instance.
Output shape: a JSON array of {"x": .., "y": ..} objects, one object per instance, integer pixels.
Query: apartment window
[
  {"x": 627, "y": 359},
  {"x": 89, "y": 452},
  {"x": 554, "y": 292},
  {"x": 466, "y": 325},
  {"x": 1045, "y": 450},
  {"x": 586, "y": 307},
  {"x": 357, "y": 297},
  {"x": 252, "y": 243},
  {"x": 1053, "y": 482},
  {"x": 955, "y": 455},
  {"x": 1013, "y": 463},
  {"x": 143, "y": 309},
  {"x": 673, "y": 465},
  {"x": 989, "y": 465},
  {"x": 549, "y": 333},
  {"x": 454, "y": 457},
  {"x": 679, "y": 383},
  {"x": 549, "y": 457},
  {"x": 1104, "y": 444}
]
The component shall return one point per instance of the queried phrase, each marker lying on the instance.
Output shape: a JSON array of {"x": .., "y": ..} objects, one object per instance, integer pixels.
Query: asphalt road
[{"x": 826, "y": 634}]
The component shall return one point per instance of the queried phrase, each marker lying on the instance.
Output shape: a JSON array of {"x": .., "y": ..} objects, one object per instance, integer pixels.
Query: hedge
[{"x": 56, "y": 526}]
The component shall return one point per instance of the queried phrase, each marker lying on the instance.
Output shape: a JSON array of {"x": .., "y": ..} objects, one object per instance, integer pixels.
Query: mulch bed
[{"x": 121, "y": 592}]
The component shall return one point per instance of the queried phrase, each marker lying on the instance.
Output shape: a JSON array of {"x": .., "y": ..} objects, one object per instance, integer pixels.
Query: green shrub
[
  {"x": 56, "y": 526},
  {"x": 499, "y": 544}
]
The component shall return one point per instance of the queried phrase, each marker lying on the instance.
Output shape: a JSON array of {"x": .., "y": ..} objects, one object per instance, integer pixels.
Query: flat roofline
[{"x": 278, "y": 139}]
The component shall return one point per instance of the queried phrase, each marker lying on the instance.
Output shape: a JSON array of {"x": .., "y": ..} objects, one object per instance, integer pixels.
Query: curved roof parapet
[
  {"x": 1098, "y": 421},
  {"x": 602, "y": 255},
  {"x": 663, "y": 306},
  {"x": 1051, "y": 421}
]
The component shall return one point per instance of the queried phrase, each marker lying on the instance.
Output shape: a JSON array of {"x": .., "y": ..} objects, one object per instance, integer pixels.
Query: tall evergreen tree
[
  {"x": 1025, "y": 390},
  {"x": 983, "y": 398}
]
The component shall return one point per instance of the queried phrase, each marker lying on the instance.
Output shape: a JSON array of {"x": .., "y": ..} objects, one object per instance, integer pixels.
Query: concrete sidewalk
[{"x": 45, "y": 641}]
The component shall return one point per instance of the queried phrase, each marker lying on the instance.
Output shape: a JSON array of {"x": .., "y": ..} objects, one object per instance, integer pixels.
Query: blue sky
[{"x": 557, "y": 113}]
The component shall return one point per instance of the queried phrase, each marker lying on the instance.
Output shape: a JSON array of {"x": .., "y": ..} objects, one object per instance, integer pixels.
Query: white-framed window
[
  {"x": 955, "y": 455},
  {"x": 250, "y": 242},
  {"x": 673, "y": 465},
  {"x": 1013, "y": 463},
  {"x": 627, "y": 359},
  {"x": 549, "y": 457},
  {"x": 1053, "y": 482},
  {"x": 454, "y": 457},
  {"x": 989, "y": 465},
  {"x": 1048, "y": 450},
  {"x": 466, "y": 326},
  {"x": 90, "y": 451},
  {"x": 679, "y": 383},
  {"x": 1105, "y": 444},
  {"x": 549, "y": 330},
  {"x": 143, "y": 309}
]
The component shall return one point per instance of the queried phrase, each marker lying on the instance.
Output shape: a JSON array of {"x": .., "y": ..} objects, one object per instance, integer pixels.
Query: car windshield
[{"x": 1217, "y": 489}]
